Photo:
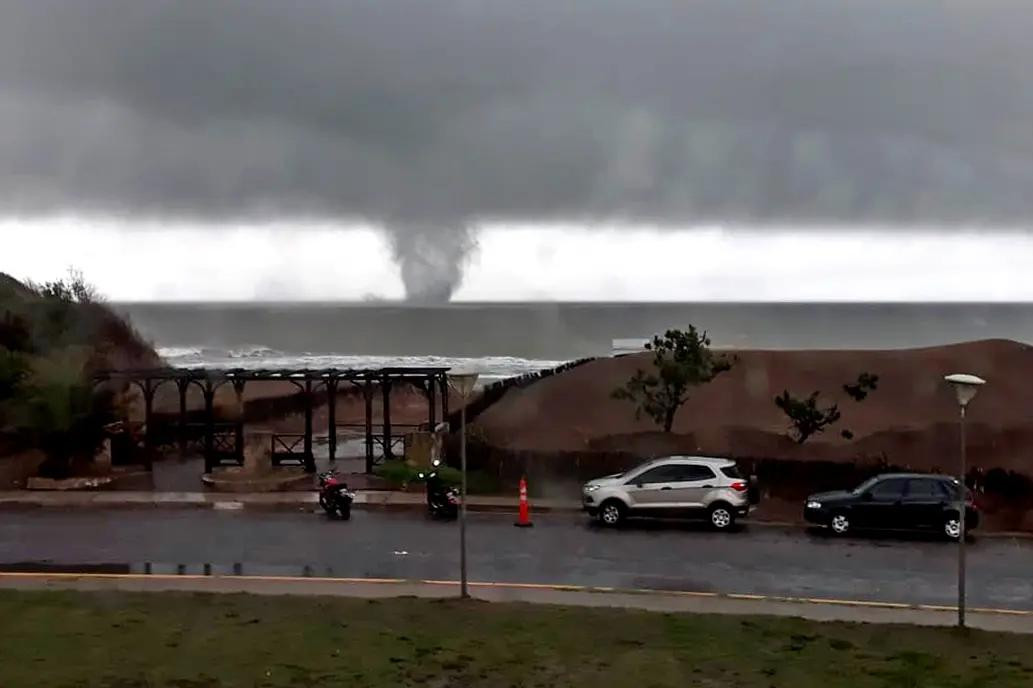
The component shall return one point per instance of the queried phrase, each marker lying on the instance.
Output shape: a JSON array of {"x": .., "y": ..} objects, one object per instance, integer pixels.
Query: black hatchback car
[{"x": 894, "y": 501}]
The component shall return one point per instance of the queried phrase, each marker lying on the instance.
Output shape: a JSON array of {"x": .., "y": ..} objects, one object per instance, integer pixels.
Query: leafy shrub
[
  {"x": 53, "y": 337},
  {"x": 399, "y": 474},
  {"x": 61, "y": 412}
]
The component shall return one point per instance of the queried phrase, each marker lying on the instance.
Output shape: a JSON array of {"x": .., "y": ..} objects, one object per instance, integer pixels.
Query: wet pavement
[
  {"x": 560, "y": 549},
  {"x": 173, "y": 473}
]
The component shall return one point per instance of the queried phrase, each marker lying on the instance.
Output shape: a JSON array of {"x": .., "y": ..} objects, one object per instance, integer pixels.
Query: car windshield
[
  {"x": 865, "y": 486},
  {"x": 642, "y": 467}
]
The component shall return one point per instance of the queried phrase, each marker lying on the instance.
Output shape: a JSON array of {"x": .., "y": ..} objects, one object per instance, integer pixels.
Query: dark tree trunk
[{"x": 669, "y": 418}]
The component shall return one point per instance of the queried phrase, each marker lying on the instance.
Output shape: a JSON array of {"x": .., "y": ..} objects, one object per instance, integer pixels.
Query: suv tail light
[{"x": 738, "y": 486}]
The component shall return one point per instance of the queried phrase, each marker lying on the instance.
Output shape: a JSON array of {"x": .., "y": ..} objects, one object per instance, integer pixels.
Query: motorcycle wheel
[
  {"x": 346, "y": 512},
  {"x": 444, "y": 513},
  {"x": 329, "y": 507}
]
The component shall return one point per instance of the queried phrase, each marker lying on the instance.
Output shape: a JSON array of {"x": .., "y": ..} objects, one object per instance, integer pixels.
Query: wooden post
[
  {"x": 331, "y": 401},
  {"x": 209, "y": 426},
  {"x": 385, "y": 394},
  {"x": 148, "y": 420},
  {"x": 238, "y": 438},
  {"x": 367, "y": 393},
  {"x": 444, "y": 396},
  {"x": 310, "y": 463},
  {"x": 148, "y": 413},
  {"x": 182, "y": 384},
  {"x": 432, "y": 406}
]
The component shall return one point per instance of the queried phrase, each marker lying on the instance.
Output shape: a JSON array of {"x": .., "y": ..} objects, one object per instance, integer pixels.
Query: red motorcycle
[{"x": 334, "y": 496}]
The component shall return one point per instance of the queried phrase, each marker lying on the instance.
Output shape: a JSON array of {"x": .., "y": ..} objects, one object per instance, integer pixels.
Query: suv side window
[
  {"x": 892, "y": 488},
  {"x": 926, "y": 489},
  {"x": 732, "y": 472},
  {"x": 659, "y": 474},
  {"x": 688, "y": 473}
]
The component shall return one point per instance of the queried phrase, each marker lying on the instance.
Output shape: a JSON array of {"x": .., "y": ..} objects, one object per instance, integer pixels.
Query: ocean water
[{"x": 503, "y": 339}]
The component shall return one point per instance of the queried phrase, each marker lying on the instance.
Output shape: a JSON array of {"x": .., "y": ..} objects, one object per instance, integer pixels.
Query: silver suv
[{"x": 671, "y": 486}]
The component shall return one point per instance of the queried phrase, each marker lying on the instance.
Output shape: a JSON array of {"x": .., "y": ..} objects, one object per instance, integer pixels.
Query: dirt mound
[{"x": 910, "y": 420}]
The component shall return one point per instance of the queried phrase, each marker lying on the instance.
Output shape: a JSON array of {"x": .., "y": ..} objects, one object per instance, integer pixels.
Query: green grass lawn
[{"x": 122, "y": 640}]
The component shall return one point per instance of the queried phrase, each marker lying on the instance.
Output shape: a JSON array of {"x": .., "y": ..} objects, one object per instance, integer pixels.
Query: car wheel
[
  {"x": 722, "y": 517},
  {"x": 952, "y": 528},
  {"x": 840, "y": 523},
  {"x": 611, "y": 513}
]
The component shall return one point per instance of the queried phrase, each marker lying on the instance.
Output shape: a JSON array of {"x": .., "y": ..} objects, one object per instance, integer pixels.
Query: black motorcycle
[
  {"x": 334, "y": 496},
  {"x": 442, "y": 499}
]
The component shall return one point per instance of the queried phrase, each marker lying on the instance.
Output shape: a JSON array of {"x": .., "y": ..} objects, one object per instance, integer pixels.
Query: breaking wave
[{"x": 258, "y": 357}]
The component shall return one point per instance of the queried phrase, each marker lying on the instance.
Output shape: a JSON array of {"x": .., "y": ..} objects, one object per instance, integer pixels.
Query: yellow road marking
[{"x": 555, "y": 587}]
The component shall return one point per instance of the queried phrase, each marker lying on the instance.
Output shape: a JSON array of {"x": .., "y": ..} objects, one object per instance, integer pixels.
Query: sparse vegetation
[
  {"x": 807, "y": 418},
  {"x": 682, "y": 360},
  {"x": 858, "y": 391}
]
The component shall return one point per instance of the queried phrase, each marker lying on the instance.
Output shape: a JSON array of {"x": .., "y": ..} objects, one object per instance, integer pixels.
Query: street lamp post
[
  {"x": 463, "y": 384},
  {"x": 965, "y": 387}
]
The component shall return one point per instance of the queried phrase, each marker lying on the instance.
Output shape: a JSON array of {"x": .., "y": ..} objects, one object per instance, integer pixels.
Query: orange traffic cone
[{"x": 524, "y": 520}]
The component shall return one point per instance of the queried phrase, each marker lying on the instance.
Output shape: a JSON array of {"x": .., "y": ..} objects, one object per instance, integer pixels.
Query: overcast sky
[
  {"x": 514, "y": 263},
  {"x": 444, "y": 126}
]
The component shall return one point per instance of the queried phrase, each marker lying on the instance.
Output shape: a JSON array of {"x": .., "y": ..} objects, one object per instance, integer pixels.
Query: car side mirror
[{"x": 866, "y": 497}]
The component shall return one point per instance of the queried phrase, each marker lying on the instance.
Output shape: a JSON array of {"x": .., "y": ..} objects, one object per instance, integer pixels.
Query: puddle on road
[
  {"x": 169, "y": 569},
  {"x": 669, "y": 584},
  {"x": 50, "y": 567},
  {"x": 666, "y": 583}
]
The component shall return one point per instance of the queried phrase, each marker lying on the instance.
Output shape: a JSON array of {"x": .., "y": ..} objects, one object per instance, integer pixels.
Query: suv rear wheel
[
  {"x": 952, "y": 527},
  {"x": 611, "y": 513},
  {"x": 722, "y": 517}
]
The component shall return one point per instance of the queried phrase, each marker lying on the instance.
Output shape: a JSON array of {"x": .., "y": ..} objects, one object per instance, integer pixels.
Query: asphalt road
[{"x": 560, "y": 549}]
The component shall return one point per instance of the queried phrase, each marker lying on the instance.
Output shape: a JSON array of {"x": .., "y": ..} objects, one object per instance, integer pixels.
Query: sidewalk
[{"x": 1015, "y": 621}]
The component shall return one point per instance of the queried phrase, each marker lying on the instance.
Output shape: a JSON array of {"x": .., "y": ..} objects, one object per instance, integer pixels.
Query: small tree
[
  {"x": 805, "y": 417},
  {"x": 681, "y": 360}
]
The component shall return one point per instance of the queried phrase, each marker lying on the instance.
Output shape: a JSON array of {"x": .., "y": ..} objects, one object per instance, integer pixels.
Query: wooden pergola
[{"x": 222, "y": 448}]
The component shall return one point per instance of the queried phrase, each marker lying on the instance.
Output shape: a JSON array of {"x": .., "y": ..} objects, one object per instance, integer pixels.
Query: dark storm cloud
[{"x": 427, "y": 116}]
